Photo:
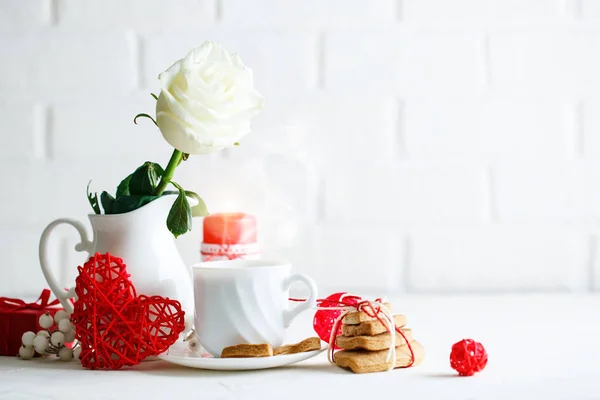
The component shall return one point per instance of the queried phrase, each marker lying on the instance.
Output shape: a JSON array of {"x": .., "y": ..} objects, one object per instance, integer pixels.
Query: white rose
[{"x": 206, "y": 101}]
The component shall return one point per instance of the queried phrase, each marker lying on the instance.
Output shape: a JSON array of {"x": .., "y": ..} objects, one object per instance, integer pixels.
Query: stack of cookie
[{"x": 366, "y": 342}]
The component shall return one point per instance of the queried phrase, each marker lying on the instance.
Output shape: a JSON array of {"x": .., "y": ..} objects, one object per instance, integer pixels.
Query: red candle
[{"x": 229, "y": 235}]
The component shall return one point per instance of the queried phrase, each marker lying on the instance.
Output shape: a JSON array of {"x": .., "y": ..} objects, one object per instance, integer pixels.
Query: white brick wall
[
  {"x": 316, "y": 14},
  {"x": 414, "y": 145},
  {"x": 19, "y": 118},
  {"x": 20, "y": 15},
  {"x": 479, "y": 128},
  {"x": 409, "y": 193},
  {"x": 141, "y": 15},
  {"x": 481, "y": 13},
  {"x": 414, "y": 61},
  {"x": 105, "y": 129},
  {"x": 483, "y": 259},
  {"x": 49, "y": 65}
]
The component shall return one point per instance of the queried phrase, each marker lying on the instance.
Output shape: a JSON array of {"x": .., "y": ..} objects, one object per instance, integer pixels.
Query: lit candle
[{"x": 228, "y": 236}]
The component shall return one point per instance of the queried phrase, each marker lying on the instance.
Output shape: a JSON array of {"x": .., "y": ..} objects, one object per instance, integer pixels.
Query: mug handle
[
  {"x": 84, "y": 245},
  {"x": 293, "y": 312}
]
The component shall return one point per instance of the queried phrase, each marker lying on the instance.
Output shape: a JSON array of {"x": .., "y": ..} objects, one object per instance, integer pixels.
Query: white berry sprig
[{"x": 51, "y": 340}]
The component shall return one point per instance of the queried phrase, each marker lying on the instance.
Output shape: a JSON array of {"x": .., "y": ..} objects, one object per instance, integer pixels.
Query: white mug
[{"x": 245, "y": 301}]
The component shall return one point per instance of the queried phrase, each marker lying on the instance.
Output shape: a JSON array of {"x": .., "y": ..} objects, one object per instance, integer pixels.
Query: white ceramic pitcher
[{"x": 141, "y": 238}]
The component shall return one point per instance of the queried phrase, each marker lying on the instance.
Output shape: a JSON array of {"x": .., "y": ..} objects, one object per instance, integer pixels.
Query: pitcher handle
[
  {"x": 311, "y": 302},
  {"x": 84, "y": 245}
]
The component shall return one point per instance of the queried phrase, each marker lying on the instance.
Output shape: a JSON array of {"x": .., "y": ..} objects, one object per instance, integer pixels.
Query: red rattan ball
[
  {"x": 324, "y": 319},
  {"x": 468, "y": 357}
]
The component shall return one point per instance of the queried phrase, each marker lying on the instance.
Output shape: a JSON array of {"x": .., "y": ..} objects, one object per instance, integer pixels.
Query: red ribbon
[
  {"x": 43, "y": 302},
  {"x": 224, "y": 253}
]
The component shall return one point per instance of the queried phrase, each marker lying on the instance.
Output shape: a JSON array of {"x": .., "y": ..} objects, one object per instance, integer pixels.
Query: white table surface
[{"x": 539, "y": 346}]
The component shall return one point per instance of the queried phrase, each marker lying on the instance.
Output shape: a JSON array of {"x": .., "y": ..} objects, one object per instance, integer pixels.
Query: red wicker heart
[{"x": 116, "y": 327}]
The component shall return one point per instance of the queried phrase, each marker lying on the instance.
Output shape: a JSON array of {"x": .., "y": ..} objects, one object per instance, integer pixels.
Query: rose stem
[{"x": 169, "y": 171}]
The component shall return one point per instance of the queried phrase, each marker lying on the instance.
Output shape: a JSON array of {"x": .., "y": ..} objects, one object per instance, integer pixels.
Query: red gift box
[{"x": 18, "y": 317}]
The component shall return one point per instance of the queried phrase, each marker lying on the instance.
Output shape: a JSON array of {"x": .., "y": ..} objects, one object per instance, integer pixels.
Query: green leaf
[
  {"x": 179, "y": 220},
  {"x": 93, "y": 199},
  {"x": 236, "y": 144},
  {"x": 199, "y": 210},
  {"x": 107, "y": 202},
  {"x": 144, "y": 115},
  {"x": 145, "y": 179},
  {"x": 125, "y": 203},
  {"x": 123, "y": 188},
  {"x": 155, "y": 96}
]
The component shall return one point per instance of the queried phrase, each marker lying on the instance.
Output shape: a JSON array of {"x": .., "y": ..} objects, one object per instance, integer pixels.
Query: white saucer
[{"x": 180, "y": 354}]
